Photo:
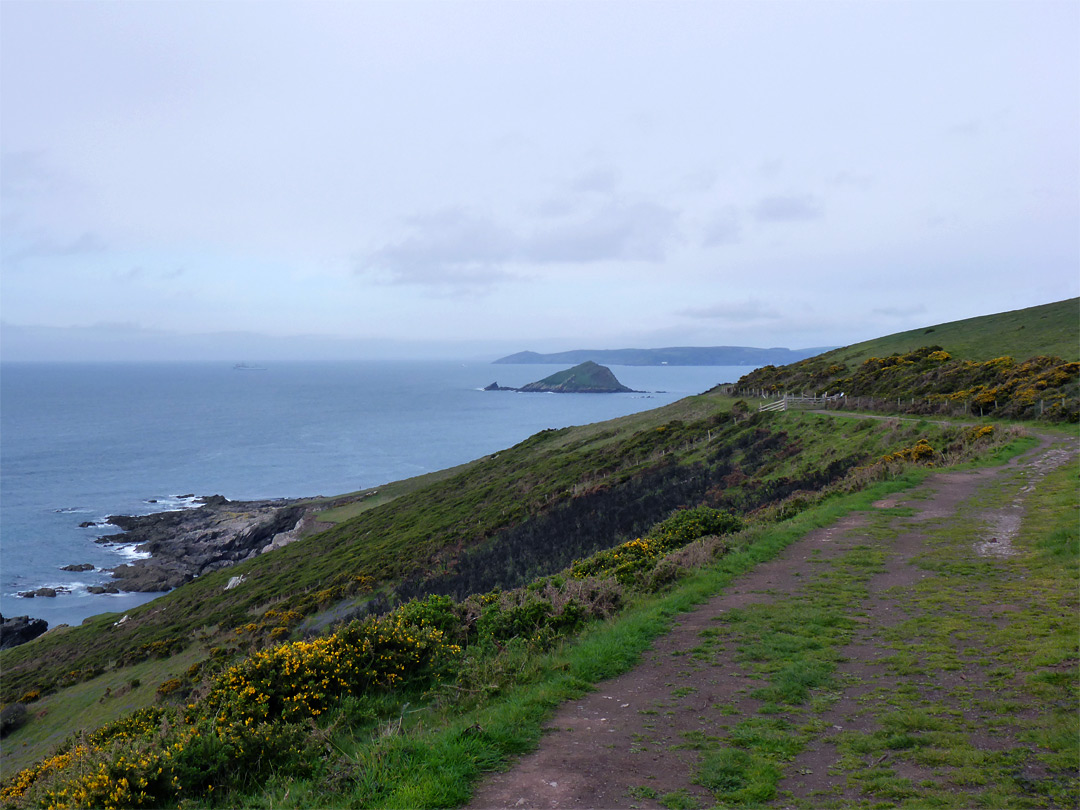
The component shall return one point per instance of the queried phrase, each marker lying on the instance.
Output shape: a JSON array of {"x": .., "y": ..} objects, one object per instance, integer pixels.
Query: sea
[{"x": 80, "y": 442}]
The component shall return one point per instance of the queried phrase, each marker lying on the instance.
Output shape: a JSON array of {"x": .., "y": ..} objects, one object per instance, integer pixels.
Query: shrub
[
  {"x": 920, "y": 452},
  {"x": 690, "y": 524},
  {"x": 301, "y": 679},
  {"x": 12, "y": 717},
  {"x": 440, "y": 612},
  {"x": 140, "y": 723},
  {"x": 168, "y": 687}
]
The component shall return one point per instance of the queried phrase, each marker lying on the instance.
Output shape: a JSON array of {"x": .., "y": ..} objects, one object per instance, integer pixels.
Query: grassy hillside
[
  {"x": 511, "y": 552},
  {"x": 1050, "y": 329},
  {"x": 299, "y": 713},
  {"x": 994, "y": 365}
]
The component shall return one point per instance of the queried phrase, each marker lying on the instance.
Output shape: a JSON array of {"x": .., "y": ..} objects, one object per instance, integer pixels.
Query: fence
[{"x": 789, "y": 401}]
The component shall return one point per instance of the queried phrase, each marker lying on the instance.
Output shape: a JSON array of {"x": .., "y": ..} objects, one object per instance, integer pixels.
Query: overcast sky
[{"x": 535, "y": 175}]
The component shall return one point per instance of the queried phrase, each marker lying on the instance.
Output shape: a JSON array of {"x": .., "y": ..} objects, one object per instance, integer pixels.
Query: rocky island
[{"x": 586, "y": 378}]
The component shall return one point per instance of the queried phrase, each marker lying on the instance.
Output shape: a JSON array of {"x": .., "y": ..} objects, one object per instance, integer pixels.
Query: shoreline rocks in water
[
  {"x": 187, "y": 543},
  {"x": 78, "y": 567},
  {"x": 46, "y": 592}
]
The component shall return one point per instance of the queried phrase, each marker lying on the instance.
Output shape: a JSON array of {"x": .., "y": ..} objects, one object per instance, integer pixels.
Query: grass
[
  {"x": 345, "y": 507},
  {"x": 1050, "y": 329},
  {"x": 89, "y": 705},
  {"x": 1022, "y": 681},
  {"x": 1031, "y": 661},
  {"x": 794, "y": 643}
]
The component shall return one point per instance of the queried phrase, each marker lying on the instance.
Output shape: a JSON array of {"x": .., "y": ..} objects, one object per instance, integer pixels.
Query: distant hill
[{"x": 671, "y": 356}]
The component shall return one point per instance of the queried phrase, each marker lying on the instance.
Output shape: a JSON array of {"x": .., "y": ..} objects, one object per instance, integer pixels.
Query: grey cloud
[
  {"x": 899, "y": 312},
  {"x": 724, "y": 229},
  {"x": 745, "y": 311},
  {"x": 448, "y": 248},
  {"x": 698, "y": 181},
  {"x": 25, "y": 173},
  {"x": 788, "y": 208},
  {"x": 967, "y": 128},
  {"x": 852, "y": 180},
  {"x": 553, "y": 207},
  {"x": 130, "y": 274},
  {"x": 635, "y": 232},
  {"x": 53, "y": 248},
  {"x": 602, "y": 179},
  {"x": 138, "y": 271},
  {"x": 770, "y": 168},
  {"x": 457, "y": 249}
]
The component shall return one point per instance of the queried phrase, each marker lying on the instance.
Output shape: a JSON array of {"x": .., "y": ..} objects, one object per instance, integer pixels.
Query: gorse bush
[
  {"x": 625, "y": 562},
  {"x": 690, "y": 524},
  {"x": 1039, "y": 387},
  {"x": 919, "y": 453},
  {"x": 629, "y": 561},
  {"x": 300, "y": 679},
  {"x": 253, "y": 720}
]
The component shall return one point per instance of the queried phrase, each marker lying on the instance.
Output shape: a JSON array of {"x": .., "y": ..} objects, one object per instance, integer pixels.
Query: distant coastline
[{"x": 672, "y": 356}]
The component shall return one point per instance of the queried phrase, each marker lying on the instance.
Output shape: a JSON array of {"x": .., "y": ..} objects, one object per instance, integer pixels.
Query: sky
[{"x": 186, "y": 180}]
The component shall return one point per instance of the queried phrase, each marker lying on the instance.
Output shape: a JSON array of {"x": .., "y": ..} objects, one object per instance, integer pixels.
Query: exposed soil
[{"x": 631, "y": 742}]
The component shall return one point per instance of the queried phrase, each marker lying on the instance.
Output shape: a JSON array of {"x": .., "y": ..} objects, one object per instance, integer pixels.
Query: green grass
[
  {"x": 1050, "y": 329},
  {"x": 345, "y": 507},
  {"x": 89, "y": 705},
  {"x": 1021, "y": 663},
  {"x": 1019, "y": 365}
]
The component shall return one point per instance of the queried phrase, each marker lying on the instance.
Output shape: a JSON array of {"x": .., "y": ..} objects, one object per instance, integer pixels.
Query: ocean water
[{"x": 79, "y": 442}]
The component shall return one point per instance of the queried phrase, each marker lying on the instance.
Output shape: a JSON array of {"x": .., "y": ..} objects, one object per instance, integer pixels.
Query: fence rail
[
  {"x": 787, "y": 402},
  {"x": 1056, "y": 409}
]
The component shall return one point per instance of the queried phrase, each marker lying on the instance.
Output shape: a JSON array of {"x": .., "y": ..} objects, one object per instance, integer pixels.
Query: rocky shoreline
[
  {"x": 188, "y": 543},
  {"x": 181, "y": 545}
]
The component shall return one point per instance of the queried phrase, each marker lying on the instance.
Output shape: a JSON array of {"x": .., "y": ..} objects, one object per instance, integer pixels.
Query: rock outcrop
[
  {"x": 20, "y": 629},
  {"x": 191, "y": 542}
]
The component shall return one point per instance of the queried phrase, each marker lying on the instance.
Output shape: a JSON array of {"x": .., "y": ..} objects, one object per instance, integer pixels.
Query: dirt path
[{"x": 642, "y": 738}]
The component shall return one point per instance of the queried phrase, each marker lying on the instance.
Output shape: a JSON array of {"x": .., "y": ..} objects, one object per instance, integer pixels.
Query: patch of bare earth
[{"x": 633, "y": 740}]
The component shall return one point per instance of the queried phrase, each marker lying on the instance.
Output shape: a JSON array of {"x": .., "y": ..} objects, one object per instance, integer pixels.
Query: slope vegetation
[
  {"x": 1049, "y": 329},
  {"x": 292, "y": 677},
  {"x": 953, "y": 369}
]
